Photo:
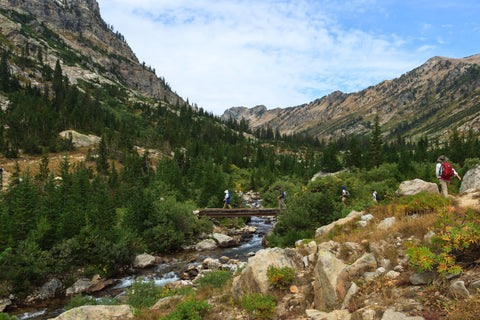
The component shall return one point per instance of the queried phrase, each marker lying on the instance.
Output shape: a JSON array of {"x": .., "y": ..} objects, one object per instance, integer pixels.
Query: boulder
[
  {"x": 50, "y": 289},
  {"x": 206, "y": 245},
  {"x": 412, "y": 187},
  {"x": 119, "y": 312},
  {"x": 458, "y": 290},
  {"x": 390, "y": 314},
  {"x": 4, "y": 302},
  {"x": 323, "y": 230},
  {"x": 386, "y": 224},
  {"x": 223, "y": 240},
  {"x": 326, "y": 273},
  {"x": 334, "y": 315},
  {"x": 253, "y": 278},
  {"x": 80, "y": 140},
  {"x": 81, "y": 285},
  {"x": 471, "y": 181},
  {"x": 99, "y": 285},
  {"x": 143, "y": 261}
]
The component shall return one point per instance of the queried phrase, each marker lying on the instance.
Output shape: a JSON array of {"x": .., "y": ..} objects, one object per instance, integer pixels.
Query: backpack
[
  {"x": 446, "y": 171},
  {"x": 347, "y": 194},
  {"x": 377, "y": 197}
]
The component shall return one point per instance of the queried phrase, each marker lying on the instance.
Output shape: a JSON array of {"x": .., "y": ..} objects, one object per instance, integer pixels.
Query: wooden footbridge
[{"x": 238, "y": 212}]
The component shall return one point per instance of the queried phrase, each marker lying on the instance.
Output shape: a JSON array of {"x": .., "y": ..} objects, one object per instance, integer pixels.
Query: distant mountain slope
[
  {"x": 441, "y": 95},
  {"x": 73, "y": 32}
]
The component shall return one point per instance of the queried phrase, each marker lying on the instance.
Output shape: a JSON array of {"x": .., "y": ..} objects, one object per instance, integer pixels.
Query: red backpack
[{"x": 446, "y": 170}]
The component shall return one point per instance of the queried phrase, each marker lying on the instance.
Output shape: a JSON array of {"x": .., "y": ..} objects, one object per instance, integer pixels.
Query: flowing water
[{"x": 160, "y": 274}]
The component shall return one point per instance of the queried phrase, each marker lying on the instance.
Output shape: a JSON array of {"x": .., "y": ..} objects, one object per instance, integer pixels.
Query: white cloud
[{"x": 220, "y": 54}]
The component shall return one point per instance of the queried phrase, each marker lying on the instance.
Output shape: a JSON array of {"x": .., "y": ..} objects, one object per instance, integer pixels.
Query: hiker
[
  {"x": 445, "y": 172},
  {"x": 375, "y": 196},
  {"x": 281, "y": 199},
  {"x": 226, "y": 200},
  {"x": 344, "y": 195}
]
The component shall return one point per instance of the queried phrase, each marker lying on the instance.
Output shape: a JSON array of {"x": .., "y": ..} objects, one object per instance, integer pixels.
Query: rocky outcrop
[
  {"x": 80, "y": 140},
  {"x": 99, "y": 53},
  {"x": 412, "y": 187}
]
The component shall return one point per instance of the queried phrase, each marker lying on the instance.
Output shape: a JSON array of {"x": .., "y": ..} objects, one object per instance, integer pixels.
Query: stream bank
[{"x": 169, "y": 271}]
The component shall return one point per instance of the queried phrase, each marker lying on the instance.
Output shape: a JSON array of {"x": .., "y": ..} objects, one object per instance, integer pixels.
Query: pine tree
[
  {"x": 375, "y": 155},
  {"x": 102, "y": 159}
]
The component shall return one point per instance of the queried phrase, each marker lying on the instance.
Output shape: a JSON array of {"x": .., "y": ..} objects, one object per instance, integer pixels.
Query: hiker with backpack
[
  {"x": 226, "y": 200},
  {"x": 375, "y": 196},
  {"x": 445, "y": 172},
  {"x": 344, "y": 196},
  {"x": 281, "y": 199}
]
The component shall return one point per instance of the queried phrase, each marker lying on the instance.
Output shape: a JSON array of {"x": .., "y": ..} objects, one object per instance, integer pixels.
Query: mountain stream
[{"x": 161, "y": 274}]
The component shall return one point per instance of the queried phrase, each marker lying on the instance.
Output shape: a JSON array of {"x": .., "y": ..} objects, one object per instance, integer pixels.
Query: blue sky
[{"x": 282, "y": 53}]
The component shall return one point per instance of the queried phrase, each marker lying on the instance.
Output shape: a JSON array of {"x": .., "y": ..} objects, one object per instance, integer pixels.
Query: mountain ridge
[
  {"x": 421, "y": 91},
  {"x": 93, "y": 51}
]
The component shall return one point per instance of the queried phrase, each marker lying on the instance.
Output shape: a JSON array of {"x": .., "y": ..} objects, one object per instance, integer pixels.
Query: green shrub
[
  {"x": 259, "y": 306},
  {"x": 280, "y": 277},
  {"x": 6, "y": 316},
  {"x": 79, "y": 300},
  {"x": 215, "y": 279},
  {"x": 190, "y": 309},
  {"x": 144, "y": 294}
]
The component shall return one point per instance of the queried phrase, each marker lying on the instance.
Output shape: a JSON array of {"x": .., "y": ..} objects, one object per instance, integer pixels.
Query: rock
[
  {"x": 326, "y": 273},
  {"x": 314, "y": 314},
  {"x": 386, "y": 224},
  {"x": 323, "y": 230},
  {"x": 392, "y": 274},
  {"x": 334, "y": 315},
  {"x": 210, "y": 263},
  {"x": 4, "y": 302},
  {"x": 165, "y": 302},
  {"x": 143, "y": 261},
  {"x": 99, "y": 285},
  {"x": 367, "y": 217},
  {"x": 471, "y": 181},
  {"x": 119, "y": 312},
  {"x": 475, "y": 285},
  {"x": 50, "y": 289},
  {"x": 206, "y": 245},
  {"x": 390, "y": 314},
  {"x": 223, "y": 240},
  {"x": 81, "y": 285},
  {"x": 412, "y": 187},
  {"x": 253, "y": 278},
  {"x": 80, "y": 140},
  {"x": 422, "y": 278},
  {"x": 352, "y": 291},
  {"x": 458, "y": 290},
  {"x": 224, "y": 259},
  {"x": 428, "y": 237}
]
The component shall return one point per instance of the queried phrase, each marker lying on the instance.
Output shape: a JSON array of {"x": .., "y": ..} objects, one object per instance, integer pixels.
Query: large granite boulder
[
  {"x": 471, "y": 181},
  {"x": 119, "y": 312},
  {"x": 143, "y": 261},
  {"x": 412, "y": 187},
  {"x": 253, "y": 278}
]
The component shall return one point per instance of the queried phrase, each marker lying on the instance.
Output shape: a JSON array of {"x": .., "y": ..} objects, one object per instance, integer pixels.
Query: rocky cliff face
[
  {"x": 431, "y": 100},
  {"x": 74, "y": 32}
]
